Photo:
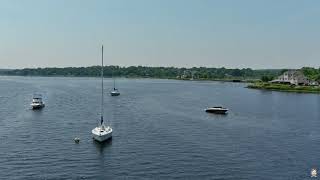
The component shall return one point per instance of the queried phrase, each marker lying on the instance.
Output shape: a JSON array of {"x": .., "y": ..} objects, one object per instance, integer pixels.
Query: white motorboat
[
  {"x": 102, "y": 132},
  {"x": 217, "y": 110},
  {"x": 37, "y": 102}
]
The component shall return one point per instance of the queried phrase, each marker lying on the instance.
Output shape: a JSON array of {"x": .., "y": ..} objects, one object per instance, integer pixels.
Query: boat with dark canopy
[{"x": 217, "y": 110}]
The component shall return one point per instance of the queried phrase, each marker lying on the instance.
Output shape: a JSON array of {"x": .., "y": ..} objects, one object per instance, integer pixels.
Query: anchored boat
[
  {"x": 102, "y": 132},
  {"x": 115, "y": 91},
  {"x": 217, "y": 110},
  {"x": 37, "y": 102}
]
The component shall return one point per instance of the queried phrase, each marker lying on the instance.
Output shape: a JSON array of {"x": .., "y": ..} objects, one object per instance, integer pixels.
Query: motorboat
[
  {"x": 217, "y": 110},
  {"x": 37, "y": 102}
]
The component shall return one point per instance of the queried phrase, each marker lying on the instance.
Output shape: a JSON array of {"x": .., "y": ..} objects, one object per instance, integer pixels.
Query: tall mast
[
  {"x": 101, "y": 121},
  {"x": 114, "y": 83}
]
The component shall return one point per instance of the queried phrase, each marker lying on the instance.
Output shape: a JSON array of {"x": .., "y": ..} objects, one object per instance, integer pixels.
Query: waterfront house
[{"x": 294, "y": 77}]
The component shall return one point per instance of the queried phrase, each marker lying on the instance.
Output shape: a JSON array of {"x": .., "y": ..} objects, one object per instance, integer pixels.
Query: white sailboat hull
[
  {"x": 37, "y": 105},
  {"x": 101, "y": 133},
  {"x": 114, "y": 93}
]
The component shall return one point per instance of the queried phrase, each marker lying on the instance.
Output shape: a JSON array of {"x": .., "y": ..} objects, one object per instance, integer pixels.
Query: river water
[{"x": 160, "y": 131}]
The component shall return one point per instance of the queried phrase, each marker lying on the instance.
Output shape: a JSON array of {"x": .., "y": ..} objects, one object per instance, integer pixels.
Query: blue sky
[{"x": 182, "y": 33}]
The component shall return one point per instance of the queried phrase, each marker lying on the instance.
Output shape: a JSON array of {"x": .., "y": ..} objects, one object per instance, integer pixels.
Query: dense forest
[
  {"x": 312, "y": 73},
  {"x": 148, "y": 72},
  {"x": 162, "y": 72}
]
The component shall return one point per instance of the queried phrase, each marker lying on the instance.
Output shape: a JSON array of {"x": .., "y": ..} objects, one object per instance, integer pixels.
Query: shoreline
[
  {"x": 285, "y": 88},
  {"x": 168, "y": 78},
  {"x": 254, "y": 83}
]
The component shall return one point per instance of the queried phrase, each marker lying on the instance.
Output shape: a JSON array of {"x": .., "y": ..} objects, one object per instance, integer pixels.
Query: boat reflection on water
[{"x": 101, "y": 146}]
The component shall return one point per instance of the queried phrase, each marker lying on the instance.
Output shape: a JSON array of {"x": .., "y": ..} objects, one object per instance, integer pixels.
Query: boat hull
[
  {"x": 101, "y": 136},
  {"x": 37, "y": 106},
  {"x": 114, "y": 93},
  {"x": 217, "y": 111}
]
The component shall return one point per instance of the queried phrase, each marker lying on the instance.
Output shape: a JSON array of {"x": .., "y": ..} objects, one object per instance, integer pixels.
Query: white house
[{"x": 294, "y": 77}]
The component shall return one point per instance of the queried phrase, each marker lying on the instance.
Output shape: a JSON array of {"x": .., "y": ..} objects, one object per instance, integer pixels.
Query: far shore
[
  {"x": 136, "y": 77},
  {"x": 285, "y": 87},
  {"x": 254, "y": 83}
]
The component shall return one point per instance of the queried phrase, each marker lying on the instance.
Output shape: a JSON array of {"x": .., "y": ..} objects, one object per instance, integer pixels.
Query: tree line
[
  {"x": 311, "y": 73},
  {"x": 148, "y": 72},
  {"x": 202, "y": 73}
]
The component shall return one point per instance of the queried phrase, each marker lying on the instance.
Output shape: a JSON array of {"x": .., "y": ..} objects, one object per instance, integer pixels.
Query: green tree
[{"x": 266, "y": 78}]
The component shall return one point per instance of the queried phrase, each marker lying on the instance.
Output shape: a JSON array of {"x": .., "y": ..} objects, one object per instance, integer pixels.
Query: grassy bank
[{"x": 285, "y": 87}]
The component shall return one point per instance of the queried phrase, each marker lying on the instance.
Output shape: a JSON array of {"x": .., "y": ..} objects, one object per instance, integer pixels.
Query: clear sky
[{"x": 182, "y": 33}]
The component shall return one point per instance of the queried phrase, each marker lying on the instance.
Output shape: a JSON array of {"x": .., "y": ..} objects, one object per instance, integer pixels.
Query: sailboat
[
  {"x": 101, "y": 132},
  {"x": 115, "y": 91}
]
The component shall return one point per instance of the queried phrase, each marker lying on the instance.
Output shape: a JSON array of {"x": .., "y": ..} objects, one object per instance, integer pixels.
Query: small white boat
[
  {"x": 217, "y": 110},
  {"x": 101, "y": 132},
  {"x": 37, "y": 102},
  {"x": 115, "y": 92}
]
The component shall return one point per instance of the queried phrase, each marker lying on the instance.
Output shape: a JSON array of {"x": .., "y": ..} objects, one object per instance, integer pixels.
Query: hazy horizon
[{"x": 264, "y": 34}]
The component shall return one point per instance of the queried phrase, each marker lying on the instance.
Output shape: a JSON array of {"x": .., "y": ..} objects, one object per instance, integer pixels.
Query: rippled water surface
[{"x": 160, "y": 131}]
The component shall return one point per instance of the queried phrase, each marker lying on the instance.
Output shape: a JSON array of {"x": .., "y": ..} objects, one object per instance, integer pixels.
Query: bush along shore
[{"x": 284, "y": 87}]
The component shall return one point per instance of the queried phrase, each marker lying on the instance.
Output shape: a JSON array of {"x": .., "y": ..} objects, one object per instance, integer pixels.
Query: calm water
[{"x": 160, "y": 131}]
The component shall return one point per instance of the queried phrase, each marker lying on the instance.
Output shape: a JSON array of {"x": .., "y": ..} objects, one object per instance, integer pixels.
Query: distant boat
[
  {"x": 115, "y": 91},
  {"x": 217, "y": 110},
  {"x": 101, "y": 132},
  {"x": 37, "y": 102}
]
